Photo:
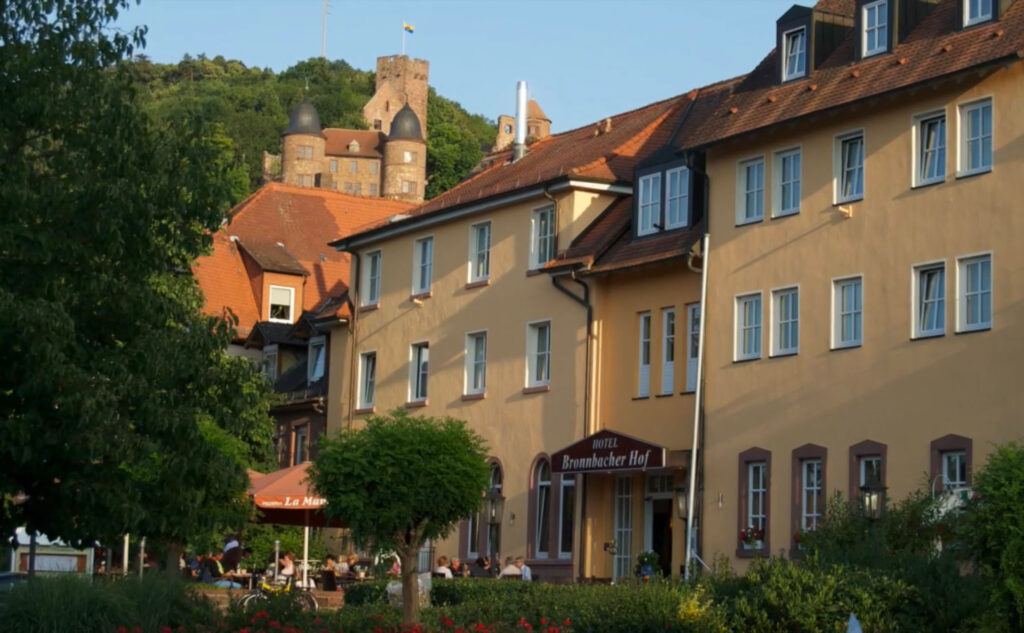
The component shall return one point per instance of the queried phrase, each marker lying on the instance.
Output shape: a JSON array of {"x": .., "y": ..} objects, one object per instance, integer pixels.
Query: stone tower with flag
[{"x": 400, "y": 80}]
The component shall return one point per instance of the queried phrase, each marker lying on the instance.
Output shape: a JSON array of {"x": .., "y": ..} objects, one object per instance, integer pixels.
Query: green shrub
[
  {"x": 71, "y": 604},
  {"x": 993, "y": 530},
  {"x": 367, "y": 592}
]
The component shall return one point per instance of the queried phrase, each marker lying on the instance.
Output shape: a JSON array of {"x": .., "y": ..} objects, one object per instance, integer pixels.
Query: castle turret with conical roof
[
  {"x": 405, "y": 158},
  {"x": 302, "y": 147}
]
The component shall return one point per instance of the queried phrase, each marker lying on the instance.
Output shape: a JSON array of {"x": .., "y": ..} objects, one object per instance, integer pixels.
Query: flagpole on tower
[{"x": 403, "y": 39}]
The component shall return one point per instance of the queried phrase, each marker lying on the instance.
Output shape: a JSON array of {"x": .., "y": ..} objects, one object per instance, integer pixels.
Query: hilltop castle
[{"x": 388, "y": 160}]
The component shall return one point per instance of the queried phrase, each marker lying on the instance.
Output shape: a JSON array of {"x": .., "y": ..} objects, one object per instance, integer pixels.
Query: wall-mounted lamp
[
  {"x": 681, "y": 500},
  {"x": 846, "y": 210}
]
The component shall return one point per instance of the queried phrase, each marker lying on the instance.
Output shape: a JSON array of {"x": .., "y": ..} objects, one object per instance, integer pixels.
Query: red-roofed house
[{"x": 272, "y": 269}]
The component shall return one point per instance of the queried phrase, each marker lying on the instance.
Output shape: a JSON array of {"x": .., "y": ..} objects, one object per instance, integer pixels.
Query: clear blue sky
[{"x": 583, "y": 59}]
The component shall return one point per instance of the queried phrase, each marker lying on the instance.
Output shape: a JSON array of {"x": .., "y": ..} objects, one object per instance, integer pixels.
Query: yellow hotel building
[{"x": 859, "y": 290}]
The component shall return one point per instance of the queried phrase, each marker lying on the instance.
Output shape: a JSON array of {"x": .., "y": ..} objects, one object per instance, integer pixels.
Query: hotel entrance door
[{"x": 658, "y": 505}]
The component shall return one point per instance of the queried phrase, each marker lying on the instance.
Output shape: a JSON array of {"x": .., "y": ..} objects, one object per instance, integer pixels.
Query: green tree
[
  {"x": 993, "y": 525},
  {"x": 119, "y": 409},
  {"x": 401, "y": 480}
]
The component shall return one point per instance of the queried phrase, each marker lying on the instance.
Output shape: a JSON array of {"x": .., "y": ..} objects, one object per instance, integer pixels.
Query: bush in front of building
[
  {"x": 73, "y": 604},
  {"x": 369, "y": 592},
  {"x": 993, "y": 533}
]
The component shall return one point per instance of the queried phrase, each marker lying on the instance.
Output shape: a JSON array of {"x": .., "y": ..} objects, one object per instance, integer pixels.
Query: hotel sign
[{"x": 608, "y": 451}]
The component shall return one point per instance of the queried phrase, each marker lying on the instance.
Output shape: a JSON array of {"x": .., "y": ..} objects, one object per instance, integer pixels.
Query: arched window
[{"x": 542, "y": 534}]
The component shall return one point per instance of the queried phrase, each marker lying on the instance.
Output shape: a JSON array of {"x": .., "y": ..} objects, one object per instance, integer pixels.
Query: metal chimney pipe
[{"x": 519, "y": 148}]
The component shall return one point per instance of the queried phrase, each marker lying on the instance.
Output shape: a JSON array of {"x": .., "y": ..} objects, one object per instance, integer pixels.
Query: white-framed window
[
  {"x": 334, "y": 165},
  {"x": 748, "y": 326},
  {"x": 409, "y": 157},
  {"x": 643, "y": 378},
  {"x": 975, "y": 137},
  {"x": 677, "y": 198},
  {"x": 542, "y": 240},
  {"x": 301, "y": 445},
  {"x": 692, "y": 344},
  {"x": 977, "y": 11},
  {"x": 281, "y": 304},
  {"x": 480, "y": 251},
  {"x": 367, "y": 379},
  {"x": 811, "y": 487},
  {"x": 567, "y": 503},
  {"x": 875, "y": 25},
  {"x": 974, "y": 293},
  {"x": 304, "y": 180},
  {"x": 849, "y": 162},
  {"x": 542, "y": 535},
  {"x": 305, "y": 151},
  {"x": 929, "y": 300},
  {"x": 622, "y": 566},
  {"x": 870, "y": 471},
  {"x": 476, "y": 362},
  {"x": 373, "y": 167},
  {"x": 422, "y": 265},
  {"x": 649, "y": 210},
  {"x": 316, "y": 359},
  {"x": 668, "y": 350},
  {"x": 757, "y": 492},
  {"x": 750, "y": 191},
  {"x": 419, "y": 371},
  {"x": 353, "y": 166},
  {"x": 794, "y": 54},
  {"x": 373, "y": 188},
  {"x": 371, "y": 278},
  {"x": 954, "y": 470},
  {"x": 847, "y": 312},
  {"x": 785, "y": 321},
  {"x": 538, "y": 354},
  {"x": 268, "y": 362},
  {"x": 408, "y": 186},
  {"x": 787, "y": 175},
  {"x": 930, "y": 150}
]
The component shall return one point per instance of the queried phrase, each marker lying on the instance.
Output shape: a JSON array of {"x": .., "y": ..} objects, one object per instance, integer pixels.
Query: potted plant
[
  {"x": 752, "y": 537},
  {"x": 646, "y": 563}
]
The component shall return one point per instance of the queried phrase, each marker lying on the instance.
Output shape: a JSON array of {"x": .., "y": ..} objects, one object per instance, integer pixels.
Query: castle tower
[
  {"x": 302, "y": 147},
  {"x": 401, "y": 80},
  {"x": 405, "y": 158},
  {"x": 538, "y": 126}
]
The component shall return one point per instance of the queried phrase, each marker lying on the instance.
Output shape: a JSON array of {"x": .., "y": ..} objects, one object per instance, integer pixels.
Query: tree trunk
[
  {"x": 173, "y": 552},
  {"x": 410, "y": 587}
]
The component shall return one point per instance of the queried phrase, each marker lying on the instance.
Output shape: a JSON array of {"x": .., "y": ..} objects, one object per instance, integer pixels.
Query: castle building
[{"x": 389, "y": 160}]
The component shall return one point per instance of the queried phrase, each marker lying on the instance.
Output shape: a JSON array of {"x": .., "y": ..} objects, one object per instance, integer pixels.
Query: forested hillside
[{"x": 250, "y": 107}]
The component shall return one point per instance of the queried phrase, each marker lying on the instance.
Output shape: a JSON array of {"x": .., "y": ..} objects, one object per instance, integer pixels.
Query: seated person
[
  {"x": 214, "y": 574},
  {"x": 458, "y": 569},
  {"x": 286, "y": 567},
  {"x": 524, "y": 569},
  {"x": 328, "y": 575},
  {"x": 482, "y": 568},
  {"x": 442, "y": 571},
  {"x": 510, "y": 570}
]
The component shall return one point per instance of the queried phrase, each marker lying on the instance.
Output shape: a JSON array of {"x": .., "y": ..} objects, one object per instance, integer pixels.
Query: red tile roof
[
  {"x": 607, "y": 244},
  {"x": 606, "y": 151},
  {"x": 338, "y": 139},
  {"x": 225, "y": 284},
  {"x": 301, "y": 219},
  {"x": 935, "y": 48}
]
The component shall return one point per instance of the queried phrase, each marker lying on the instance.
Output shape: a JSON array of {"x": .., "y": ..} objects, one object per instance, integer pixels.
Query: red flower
[
  {"x": 262, "y": 614},
  {"x": 122, "y": 629},
  {"x": 137, "y": 630},
  {"x": 166, "y": 629},
  {"x": 567, "y": 622}
]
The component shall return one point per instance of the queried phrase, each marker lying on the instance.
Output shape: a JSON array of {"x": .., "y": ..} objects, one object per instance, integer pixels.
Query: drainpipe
[
  {"x": 697, "y": 401},
  {"x": 353, "y": 297},
  {"x": 585, "y": 302}
]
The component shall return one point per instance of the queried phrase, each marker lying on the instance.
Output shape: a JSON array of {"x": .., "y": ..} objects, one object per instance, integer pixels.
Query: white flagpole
[{"x": 403, "y": 39}]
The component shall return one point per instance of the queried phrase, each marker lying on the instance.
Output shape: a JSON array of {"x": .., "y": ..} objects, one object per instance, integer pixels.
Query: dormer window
[
  {"x": 663, "y": 208},
  {"x": 650, "y": 205},
  {"x": 875, "y": 25},
  {"x": 281, "y": 300},
  {"x": 316, "y": 359},
  {"x": 977, "y": 11},
  {"x": 353, "y": 146},
  {"x": 794, "y": 54}
]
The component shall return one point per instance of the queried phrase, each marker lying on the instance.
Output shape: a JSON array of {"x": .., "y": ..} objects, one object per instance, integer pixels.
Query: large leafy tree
[
  {"x": 119, "y": 410},
  {"x": 401, "y": 480}
]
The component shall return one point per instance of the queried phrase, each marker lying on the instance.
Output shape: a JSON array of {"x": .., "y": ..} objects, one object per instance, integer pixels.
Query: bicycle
[{"x": 264, "y": 591}]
